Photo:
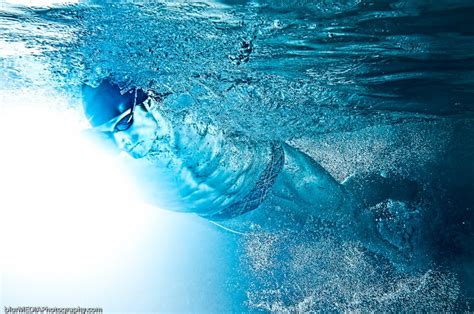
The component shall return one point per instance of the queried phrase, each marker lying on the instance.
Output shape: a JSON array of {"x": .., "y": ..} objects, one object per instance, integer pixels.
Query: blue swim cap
[{"x": 105, "y": 102}]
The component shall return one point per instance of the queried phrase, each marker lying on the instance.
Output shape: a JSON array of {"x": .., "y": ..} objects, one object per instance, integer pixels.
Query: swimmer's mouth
[{"x": 130, "y": 149}]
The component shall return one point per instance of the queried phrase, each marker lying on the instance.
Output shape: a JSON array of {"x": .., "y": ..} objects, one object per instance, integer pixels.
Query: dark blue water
[{"x": 361, "y": 86}]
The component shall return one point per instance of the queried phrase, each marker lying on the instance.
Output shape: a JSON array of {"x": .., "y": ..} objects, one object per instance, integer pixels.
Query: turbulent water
[{"x": 361, "y": 86}]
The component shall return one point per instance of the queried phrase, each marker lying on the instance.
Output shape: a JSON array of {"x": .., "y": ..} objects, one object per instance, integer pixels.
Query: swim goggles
[
  {"x": 118, "y": 124},
  {"x": 123, "y": 121}
]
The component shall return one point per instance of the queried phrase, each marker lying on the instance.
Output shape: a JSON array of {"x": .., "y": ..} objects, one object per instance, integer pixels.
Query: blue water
[{"x": 360, "y": 86}]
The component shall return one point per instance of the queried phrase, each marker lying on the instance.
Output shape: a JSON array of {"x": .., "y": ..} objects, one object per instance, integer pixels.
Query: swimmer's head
[{"x": 122, "y": 116}]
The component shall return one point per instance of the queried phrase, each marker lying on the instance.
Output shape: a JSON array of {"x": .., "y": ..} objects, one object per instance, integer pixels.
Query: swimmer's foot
[
  {"x": 397, "y": 223},
  {"x": 391, "y": 228}
]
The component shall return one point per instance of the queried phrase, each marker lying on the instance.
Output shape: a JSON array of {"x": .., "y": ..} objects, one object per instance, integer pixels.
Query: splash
[{"x": 306, "y": 272}]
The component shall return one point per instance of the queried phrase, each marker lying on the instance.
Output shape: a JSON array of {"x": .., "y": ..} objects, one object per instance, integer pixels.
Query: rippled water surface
[{"x": 361, "y": 86}]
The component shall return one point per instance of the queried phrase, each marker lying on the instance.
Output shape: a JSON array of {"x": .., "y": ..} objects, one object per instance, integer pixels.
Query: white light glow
[{"x": 66, "y": 207}]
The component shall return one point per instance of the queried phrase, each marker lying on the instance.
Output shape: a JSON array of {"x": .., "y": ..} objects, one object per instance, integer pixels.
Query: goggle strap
[{"x": 135, "y": 99}]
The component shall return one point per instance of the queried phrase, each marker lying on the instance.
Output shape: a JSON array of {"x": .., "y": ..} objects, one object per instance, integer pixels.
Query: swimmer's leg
[{"x": 309, "y": 188}]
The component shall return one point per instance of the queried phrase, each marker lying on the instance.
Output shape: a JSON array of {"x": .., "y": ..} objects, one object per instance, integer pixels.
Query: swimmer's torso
[{"x": 196, "y": 168}]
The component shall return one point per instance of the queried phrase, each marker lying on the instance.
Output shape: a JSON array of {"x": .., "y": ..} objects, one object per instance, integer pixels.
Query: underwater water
[{"x": 362, "y": 87}]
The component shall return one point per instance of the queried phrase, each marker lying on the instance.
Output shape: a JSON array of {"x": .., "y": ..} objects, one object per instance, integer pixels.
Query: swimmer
[{"x": 190, "y": 165}]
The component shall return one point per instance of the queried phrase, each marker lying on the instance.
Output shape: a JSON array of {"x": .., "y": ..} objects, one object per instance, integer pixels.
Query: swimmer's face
[{"x": 137, "y": 140}]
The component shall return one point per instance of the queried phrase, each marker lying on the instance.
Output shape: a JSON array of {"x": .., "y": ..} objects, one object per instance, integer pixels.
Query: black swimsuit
[{"x": 257, "y": 195}]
